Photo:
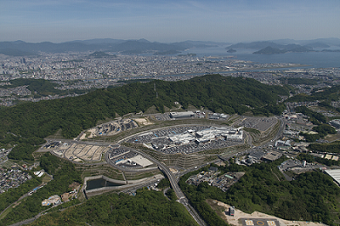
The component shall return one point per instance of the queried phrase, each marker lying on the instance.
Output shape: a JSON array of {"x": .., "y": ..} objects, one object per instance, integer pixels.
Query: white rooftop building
[
  {"x": 335, "y": 174},
  {"x": 186, "y": 114}
]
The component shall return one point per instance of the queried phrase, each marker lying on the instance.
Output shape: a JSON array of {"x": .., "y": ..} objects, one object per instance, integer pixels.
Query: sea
[{"x": 308, "y": 59}]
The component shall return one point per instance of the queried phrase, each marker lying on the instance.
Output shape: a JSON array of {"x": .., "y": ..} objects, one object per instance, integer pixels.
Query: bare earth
[
  {"x": 234, "y": 220},
  {"x": 143, "y": 121}
]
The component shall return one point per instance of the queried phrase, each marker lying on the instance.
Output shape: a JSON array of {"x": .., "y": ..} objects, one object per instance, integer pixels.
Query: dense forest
[
  {"x": 146, "y": 208},
  {"x": 333, "y": 147},
  {"x": 311, "y": 196},
  {"x": 41, "y": 87},
  {"x": 315, "y": 117},
  {"x": 328, "y": 94},
  {"x": 28, "y": 123}
]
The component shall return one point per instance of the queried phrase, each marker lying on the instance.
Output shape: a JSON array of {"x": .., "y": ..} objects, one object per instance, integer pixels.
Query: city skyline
[{"x": 168, "y": 21}]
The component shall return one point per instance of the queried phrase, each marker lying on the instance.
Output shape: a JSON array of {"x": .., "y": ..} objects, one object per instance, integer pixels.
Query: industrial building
[
  {"x": 271, "y": 156},
  {"x": 52, "y": 200},
  {"x": 134, "y": 161},
  {"x": 335, "y": 174},
  {"x": 280, "y": 143},
  {"x": 186, "y": 114},
  {"x": 218, "y": 116}
]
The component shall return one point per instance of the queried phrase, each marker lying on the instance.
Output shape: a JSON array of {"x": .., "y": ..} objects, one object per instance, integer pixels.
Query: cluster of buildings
[
  {"x": 18, "y": 91},
  {"x": 56, "y": 199},
  {"x": 52, "y": 200},
  {"x": 213, "y": 178},
  {"x": 3, "y": 154},
  {"x": 207, "y": 135},
  {"x": 298, "y": 166},
  {"x": 78, "y": 66},
  {"x": 12, "y": 178},
  {"x": 88, "y": 73},
  {"x": 258, "y": 156},
  {"x": 189, "y": 139}
]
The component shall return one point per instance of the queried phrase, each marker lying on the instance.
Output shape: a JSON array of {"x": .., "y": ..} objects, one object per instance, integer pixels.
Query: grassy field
[
  {"x": 46, "y": 178},
  {"x": 137, "y": 176},
  {"x": 332, "y": 137},
  {"x": 57, "y": 135},
  {"x": 95, "y": 170}
]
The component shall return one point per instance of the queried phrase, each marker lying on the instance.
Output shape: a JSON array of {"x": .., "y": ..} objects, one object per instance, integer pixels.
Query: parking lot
[
  {"x": 259, "y": 123},
  {"x": 162, "y": 117}
]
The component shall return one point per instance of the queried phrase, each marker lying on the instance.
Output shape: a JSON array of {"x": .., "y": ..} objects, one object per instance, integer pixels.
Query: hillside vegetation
[
  {"x": 41, "y": 87},
  {"x": 146, "y": 208},
  {"x": 311, "y": 196},
  {"x": 329, "y": 94},
  {"x": 28, "y": 123}
]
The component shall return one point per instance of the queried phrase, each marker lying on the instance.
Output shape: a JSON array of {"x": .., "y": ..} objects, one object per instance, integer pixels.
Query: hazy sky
[{"x": 168, "y": 20}]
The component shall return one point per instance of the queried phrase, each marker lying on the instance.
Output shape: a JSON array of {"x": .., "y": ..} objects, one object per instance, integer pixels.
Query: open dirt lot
[
  {"x": 241, "y": 218},
  {"x": 143, "y": 121},
  {"x": 83, "y": 152}
]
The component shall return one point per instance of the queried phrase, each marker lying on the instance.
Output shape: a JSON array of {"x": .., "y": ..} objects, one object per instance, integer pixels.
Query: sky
[{"x": 168, "y": 20}]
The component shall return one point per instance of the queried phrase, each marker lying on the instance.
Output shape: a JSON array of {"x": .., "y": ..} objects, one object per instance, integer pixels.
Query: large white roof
[{"x": 335, "y": 174}]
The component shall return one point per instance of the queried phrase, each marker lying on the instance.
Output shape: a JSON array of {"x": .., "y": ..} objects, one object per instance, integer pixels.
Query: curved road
[{"x": 173, "y": 181}]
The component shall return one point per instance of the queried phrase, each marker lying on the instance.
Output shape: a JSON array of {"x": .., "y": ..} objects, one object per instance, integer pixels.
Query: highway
[{"x": 174, "y": 185}]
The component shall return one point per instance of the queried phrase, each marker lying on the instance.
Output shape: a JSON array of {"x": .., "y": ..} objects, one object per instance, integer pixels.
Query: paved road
[
  {"x": 173, "y": 181},
  {"x": 192, "y": 211}
]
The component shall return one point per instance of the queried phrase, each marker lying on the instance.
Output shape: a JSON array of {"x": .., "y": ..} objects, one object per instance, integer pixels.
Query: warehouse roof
[{"x": 335, "y": 174}]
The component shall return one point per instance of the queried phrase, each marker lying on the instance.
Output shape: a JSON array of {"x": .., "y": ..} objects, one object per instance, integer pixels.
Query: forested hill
[{"x": 72, "y": 115}]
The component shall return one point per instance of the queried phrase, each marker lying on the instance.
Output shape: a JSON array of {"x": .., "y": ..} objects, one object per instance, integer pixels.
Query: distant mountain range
[
  {"x": 21, "y": 48},
  {"x": 284, "y": 49},
  {"x": 288, "y": 45}
]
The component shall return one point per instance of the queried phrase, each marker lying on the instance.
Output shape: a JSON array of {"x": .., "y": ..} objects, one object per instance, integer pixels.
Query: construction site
[
  {"x": 108, "y": 129},
  {"x": 81, "y": 152}
]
